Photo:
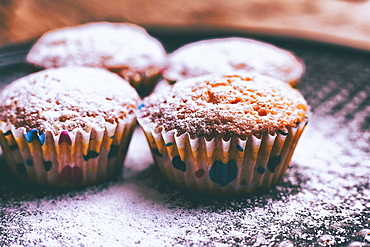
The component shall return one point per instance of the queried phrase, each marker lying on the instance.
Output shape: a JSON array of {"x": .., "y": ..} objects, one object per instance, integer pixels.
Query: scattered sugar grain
[{"x": 322, "y": 200}]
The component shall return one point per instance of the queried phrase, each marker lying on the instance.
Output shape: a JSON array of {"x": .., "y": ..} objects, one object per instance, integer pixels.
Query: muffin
[
  {"x": 224, "y": 135},
  {"x": 67, "y": 127},
  {"x": 233, "y": 54},
  {"x": 123, "y": 48}
]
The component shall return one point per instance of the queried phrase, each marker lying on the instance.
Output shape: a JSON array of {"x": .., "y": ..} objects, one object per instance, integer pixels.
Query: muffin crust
[
  {"x": 98, "y": 44},
  {"x": 123, "y": 48},
  {"x": 67, "y": 98},
  {"x": 233, "y": 54},
  {"x": 226, "y": 106}
]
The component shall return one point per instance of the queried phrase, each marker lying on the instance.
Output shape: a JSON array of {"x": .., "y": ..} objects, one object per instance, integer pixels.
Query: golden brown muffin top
[
  {"x": 233, "y": 54},
  {"x": 225, "y": 106},
  {"x": 98, "y": 44},
  {"x": 67, "y": 98}
]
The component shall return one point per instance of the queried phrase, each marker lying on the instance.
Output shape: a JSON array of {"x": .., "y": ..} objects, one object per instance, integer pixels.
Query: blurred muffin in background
[
  {"x": 67, "y": 127},
  {"x": 123, "y": 48},
  {"x": 233, "y": 54}
]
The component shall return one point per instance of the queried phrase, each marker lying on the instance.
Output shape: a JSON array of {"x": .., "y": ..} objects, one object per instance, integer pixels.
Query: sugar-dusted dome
[
  {"x": 224, "y": 106},
  {"x": 98, "y": 44},
  {"x": 67, "y": 98},
  {"x": 123, "y": 48},
  {"x": 233, "y": 54}
]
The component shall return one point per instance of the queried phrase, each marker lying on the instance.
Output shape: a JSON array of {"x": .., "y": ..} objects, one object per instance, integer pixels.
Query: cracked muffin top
[{"x": 225, "y": 106}]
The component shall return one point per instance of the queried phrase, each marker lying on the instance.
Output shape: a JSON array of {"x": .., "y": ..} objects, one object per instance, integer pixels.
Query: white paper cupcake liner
[
  {"x": 70, "y": 158},
  {"x": 220, "y": 167}
]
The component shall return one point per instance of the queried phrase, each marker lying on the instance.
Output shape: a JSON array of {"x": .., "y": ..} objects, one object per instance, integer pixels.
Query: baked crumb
[
  {"x": 225, "y": 106},
  {"x": 67, "y": 98}
]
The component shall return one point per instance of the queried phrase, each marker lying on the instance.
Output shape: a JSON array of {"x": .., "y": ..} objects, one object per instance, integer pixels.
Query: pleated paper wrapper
[
  {"x": 219, "y": 167},
  {"x": 70, "y": 158}
]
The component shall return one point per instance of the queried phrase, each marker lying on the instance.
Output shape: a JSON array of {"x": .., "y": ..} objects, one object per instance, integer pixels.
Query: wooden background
[{"x": 334, "y": 21}]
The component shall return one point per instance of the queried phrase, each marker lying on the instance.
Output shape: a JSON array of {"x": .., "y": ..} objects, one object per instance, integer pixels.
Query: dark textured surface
[{"x": 324, "y": 199}]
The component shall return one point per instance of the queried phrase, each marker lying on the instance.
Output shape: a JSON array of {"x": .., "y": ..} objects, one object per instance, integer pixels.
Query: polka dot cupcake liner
[
  {"x": 220, "y": 167},
  {"x": 70, "y": 158}
]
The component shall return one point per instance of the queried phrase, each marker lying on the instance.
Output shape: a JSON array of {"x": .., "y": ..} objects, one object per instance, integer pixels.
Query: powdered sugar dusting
[
  {"x": 226, "y": 105},
  {"x": 317, "y": 202},
  {"x": 232, "y": 54},
  {"x": 99, "y": 44},
  {"x": 65, "y": 98},
  {"x": 323, "y": 200}
]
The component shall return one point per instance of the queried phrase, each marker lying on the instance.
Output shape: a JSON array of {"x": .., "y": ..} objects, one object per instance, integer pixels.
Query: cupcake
[
  {"x": 67, "y": 127},
  {"x": 233, "y": 54},
  {"x": 224, "y": 135},
  {"x": 123, "y": 48}
]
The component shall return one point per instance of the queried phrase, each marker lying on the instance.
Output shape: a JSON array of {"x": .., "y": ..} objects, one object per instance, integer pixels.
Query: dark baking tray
[{"x": 323, "y": 200}]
